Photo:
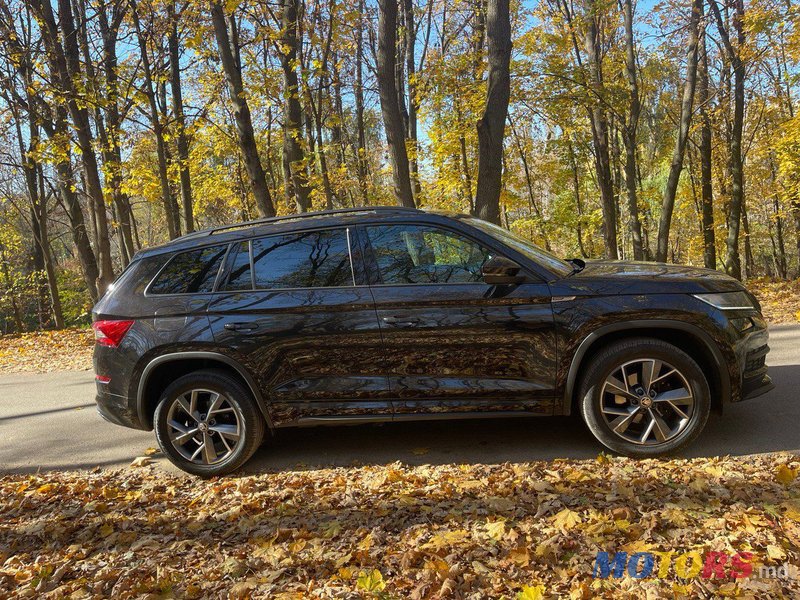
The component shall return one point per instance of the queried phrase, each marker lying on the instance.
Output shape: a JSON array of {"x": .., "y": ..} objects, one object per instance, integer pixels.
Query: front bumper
[
  {"x": 755, "y": 380},
  {"x": 751, "y": 353}
]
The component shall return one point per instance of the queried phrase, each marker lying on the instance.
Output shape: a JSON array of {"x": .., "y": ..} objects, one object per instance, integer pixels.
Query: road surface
[{"x": 48, "y": 421}]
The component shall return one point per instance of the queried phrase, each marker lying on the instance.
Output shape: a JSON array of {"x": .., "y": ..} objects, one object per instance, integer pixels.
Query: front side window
[
  {"x": 524, "y": 247},
  {"x": 190, "y": 272},
  {"x": 299, "y": 260},
  {"x": 423, "y": 254}
]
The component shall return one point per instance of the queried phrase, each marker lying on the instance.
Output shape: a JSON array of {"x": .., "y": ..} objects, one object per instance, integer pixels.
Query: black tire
[
  {"x": 598, "y": 398},
  {"x": 244, "y": 416}
]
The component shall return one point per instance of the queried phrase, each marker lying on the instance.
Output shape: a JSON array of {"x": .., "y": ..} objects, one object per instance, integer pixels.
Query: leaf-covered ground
[
  {"x": 524, "y": 530},
  {"x": 780, "y": 299},
  {"x": 45, "y": 351}
]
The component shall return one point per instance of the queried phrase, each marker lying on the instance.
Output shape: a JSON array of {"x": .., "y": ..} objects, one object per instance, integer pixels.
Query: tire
[
  {"x": 228, "y": 426},
  {"x": 609, "y": 402}
]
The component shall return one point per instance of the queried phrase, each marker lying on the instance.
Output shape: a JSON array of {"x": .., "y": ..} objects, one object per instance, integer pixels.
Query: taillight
[{"x": 110, "y": 333}]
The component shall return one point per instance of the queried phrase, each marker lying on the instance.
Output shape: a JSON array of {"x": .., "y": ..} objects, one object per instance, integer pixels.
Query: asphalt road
[{"x": 49, "y": 422}]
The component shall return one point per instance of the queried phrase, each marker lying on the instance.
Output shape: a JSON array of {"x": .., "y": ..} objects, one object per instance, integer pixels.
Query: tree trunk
[
  {"x": 390, "y": 106},
  {"x": 576, "y": 186},
  {"x": 112, "y": 154},
  {"x": 181, "y": 140},
  {"x": 491, "y": 125},
  {"x": 293, "y": 116},
  {"x": 47, "y": 254},
  {"x": 18, "y": 324},
  {"x": 226, "y": 34},
  {"x": 359, "y": 100},
  {"x": 413, "y": 104},
  {"x": 780, "y": 249},
  {"x": 167, "y": 198},
  {"x": 733, "y": 264},
  {"x": 65, "y": 67},
  {"x": 709, "y": 238},
  {"x": 54, "y": 122},
  {"x": 668, "y": 202},
  {"x": 599, "y": 124},
  {"x": 629, "y": 134}
]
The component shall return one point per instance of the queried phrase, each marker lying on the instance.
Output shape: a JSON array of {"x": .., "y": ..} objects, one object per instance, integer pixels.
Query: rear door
[
  {"x": 294, "y": 309},
  {"x": 454, "y": 343}
]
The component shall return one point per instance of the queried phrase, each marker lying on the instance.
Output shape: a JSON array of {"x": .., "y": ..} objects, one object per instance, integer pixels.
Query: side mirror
[{"x": 501, "y": 271}]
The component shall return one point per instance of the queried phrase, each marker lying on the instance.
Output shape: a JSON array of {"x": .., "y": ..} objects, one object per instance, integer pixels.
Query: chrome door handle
[
  {"x": 241, "y": 326},
  {"x": 401, "y": 321}
]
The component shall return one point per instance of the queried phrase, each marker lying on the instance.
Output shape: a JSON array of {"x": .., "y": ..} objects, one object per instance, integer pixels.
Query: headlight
[{"x": 727, "y": 300}]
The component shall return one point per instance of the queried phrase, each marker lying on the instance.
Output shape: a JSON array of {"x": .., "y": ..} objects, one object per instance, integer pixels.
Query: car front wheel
[
  {"x": 644, "y": 397},
  {"x": 207, "y": 423}
]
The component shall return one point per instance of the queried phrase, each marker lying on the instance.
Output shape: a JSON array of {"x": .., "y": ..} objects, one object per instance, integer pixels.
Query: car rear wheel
[
  {"x": 207, "y": 423},
  {"x": 644, "y": 397}
]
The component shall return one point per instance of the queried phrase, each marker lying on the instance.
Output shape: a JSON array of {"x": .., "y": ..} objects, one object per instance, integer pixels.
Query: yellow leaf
[
  {"x": 785, "y": 474},
  {"x": 566, "y": 519},
  {"x": 445, "y": 539},
  {"x": 106, "y": 530},
  {"x": 150, "y": 451},
  {"x": 792, "y": 511},
  {"x": 496, "y": 530},
  {"x": 438, "y": 565},
  {"x": 531, "y": 592},
  {"x": 520, "y": 556},
  {"x": 637, "y": 546},
  {"x": 371, "y": 582},
  {"x": 775, "y": 553}
]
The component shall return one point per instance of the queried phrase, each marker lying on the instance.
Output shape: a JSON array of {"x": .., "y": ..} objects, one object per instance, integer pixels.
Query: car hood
[{"x": 622, "y": 277}]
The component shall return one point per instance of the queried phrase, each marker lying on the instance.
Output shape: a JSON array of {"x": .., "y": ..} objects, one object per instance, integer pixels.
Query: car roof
[{"x": 297, "y": 222}]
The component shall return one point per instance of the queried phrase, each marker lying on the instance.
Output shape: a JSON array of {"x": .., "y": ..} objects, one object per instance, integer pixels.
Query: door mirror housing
[{"x": 500, "y": 270}]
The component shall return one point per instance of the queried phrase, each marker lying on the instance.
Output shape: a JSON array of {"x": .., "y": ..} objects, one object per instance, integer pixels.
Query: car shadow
[{"x": 759, "y": 425}]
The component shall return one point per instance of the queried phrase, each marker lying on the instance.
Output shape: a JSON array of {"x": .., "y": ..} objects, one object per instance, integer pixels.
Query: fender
[
  {"x": 216, "y": 356},
  {"x": 694, "y": 330}
]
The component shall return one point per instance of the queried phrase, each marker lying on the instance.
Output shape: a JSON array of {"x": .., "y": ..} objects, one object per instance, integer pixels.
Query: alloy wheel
[
  {"x": 646, "y": 402},
  {"x": 204, "y": 427}
]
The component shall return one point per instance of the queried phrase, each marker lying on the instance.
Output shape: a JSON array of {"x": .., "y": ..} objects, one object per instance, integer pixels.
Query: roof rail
[{"x": 319, "y": 213}]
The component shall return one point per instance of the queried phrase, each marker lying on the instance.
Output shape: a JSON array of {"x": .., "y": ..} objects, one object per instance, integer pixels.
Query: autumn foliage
[{"x": 512, "y": 530}]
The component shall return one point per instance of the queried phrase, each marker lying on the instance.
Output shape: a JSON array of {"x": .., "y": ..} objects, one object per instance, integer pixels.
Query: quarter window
[
  {"x": 191, "y": 272},
  {"x": 421, "y": 254}
]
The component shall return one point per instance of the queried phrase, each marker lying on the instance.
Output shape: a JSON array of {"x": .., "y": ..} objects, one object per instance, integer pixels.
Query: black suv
[{"x": 390, "y": 314}]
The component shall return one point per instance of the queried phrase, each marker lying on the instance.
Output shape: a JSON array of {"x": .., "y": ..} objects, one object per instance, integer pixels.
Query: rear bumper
[{"x": 117, "y": 409}]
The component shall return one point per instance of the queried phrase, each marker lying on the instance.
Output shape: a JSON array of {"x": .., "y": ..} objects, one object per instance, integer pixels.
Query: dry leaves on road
[
  {"x": 526, "y": 530},
  {"x": 780, "y": 299},
  {"x": 46, "y": 351}
]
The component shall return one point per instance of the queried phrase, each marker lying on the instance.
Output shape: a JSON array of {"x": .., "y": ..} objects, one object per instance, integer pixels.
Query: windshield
[{"x": 523, "y": 246}]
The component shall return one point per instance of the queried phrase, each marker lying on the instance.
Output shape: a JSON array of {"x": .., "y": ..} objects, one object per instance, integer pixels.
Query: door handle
[
  {"x": 241, "y": 326},
  {"x": 401, "y": 321}
]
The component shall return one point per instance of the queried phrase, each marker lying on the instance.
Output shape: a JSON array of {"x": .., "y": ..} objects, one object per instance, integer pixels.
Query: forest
[{"x": 613, "y": 129}]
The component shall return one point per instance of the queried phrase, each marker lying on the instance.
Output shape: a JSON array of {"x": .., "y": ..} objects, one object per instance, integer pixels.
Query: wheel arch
[
  {"x": 165, "y": 368},
  {"x": 688, "y": 337}
]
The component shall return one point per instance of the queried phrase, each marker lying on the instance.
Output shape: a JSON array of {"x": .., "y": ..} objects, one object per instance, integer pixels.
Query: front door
[
  {"x": 292, "y": 310},
  {"x": 454, "y": 344}
]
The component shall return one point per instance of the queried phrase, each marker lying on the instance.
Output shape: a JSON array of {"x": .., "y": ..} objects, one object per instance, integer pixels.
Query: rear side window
[
  {"x": 310, "y": 259},
  {"x": 190, "y": 272},
  {"x": 302, "y": 260}
]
